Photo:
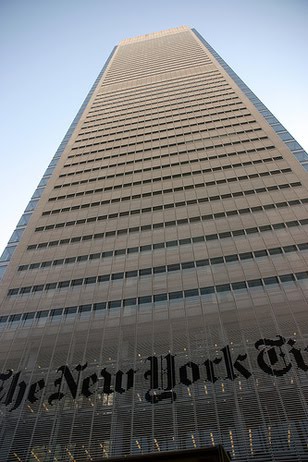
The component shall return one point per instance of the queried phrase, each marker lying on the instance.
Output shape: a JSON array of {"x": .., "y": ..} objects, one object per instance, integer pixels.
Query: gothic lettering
[
  {"x": 269, "y": 357},
  {"x": 107, "y": 382},
  {"x": 86, "y": 384},
  {"x": 230, "y": 365},
  {"x": 163, "y": 391},
  {"x": 35, "y": 388},
  {"x": 71, "y": 383},
  {"x": 275, "y": 357},
  {"x": 195, "y": 373},
  {"x": 3, "y": 378},
  {"x": 296, "y": 352},
  {"x": 209, "y": 365}
]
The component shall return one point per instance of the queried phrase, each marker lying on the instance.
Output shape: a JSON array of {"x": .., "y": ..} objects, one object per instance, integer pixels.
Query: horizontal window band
[
  {"x": 173, "y": 149},
  {"x": 109, "y": 125},
  {"x": 172, "y": 141},
  {"x": 170, "y": 82},
  {"x": 163, "y": 134},
  {"x": 172, "y": 205},
  {"x": 199, "y": 160},
  {"x": 205, "y": 110},
  {"x": 229, "y": 99},
  {"x": 137, "y": 229},
  {"x": 163, "y": 245},
  {"x": 159, "y": 127},
  {"x": 224, "y": 89},
  {"x": 227, "y": 94},
  {"x": 164, "y": 88},
  {"x": 172, "y": 94},
  {"x": 195, "y": 292},
  {"x": 170, "y": 177},
  {"x": 158, "y": 192},
  {"x": 161, "y": 156},
  {"x": 187, "y": 115}
]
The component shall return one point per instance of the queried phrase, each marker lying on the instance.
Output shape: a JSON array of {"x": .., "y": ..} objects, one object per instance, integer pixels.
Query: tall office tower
[{"x": 157, "y": 297}]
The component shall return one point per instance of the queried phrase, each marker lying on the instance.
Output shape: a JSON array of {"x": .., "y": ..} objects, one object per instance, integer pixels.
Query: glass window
[
  {"x": 222, "y": 287},
  {"x": 216, "y": 260},
  {"x": 175, "y": 295},
  {"x": 238, "y": 285},
  {"x": 191, "y": 293},
  {"x": 114, "y": 304},
  {"x": 160, "y": 297},
  {"x": 56, "y": 312},
  {"x": 159, "y": 269},
  {"x": 188, "y": 264},
  {"x": 129, "y": 302},
  {"x": 302, "y": 275},
  {"x": 270, "y": 280},
  {"x": 145, "y": 299},
  {"x": 287, "y": 278},
  {"x": 255, "y": 283},
  {"x": 70, "y": 310},
  {"x": 207, "y": 290},
  {"x": 76, "y": 282},
  {"x": 260, "y": 253},
  {"x": 84, "y": 308},
  {"x": 145, "y": 271},
  {"x": 99, "y": 306},
  {"x": 103, "y": 278}
]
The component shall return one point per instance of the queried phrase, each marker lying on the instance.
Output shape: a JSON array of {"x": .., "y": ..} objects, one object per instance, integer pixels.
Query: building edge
[
  {"x": 25, "y": 217},
  {"x": 296, "y": 149}
]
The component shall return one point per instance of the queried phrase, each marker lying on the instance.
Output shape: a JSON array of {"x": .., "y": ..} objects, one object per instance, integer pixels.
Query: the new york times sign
[{"x": 275, "y": 357}]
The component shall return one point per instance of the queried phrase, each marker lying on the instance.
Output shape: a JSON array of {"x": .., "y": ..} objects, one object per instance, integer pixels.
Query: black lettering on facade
[
  {"x": 230, "y": 365},
  {"x": 275, "y": 357},
  {"x": 72, "y": 384}
]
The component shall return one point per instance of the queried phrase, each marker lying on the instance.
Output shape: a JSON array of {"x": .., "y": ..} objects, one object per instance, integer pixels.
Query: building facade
[{"x": 154, "y": 293}]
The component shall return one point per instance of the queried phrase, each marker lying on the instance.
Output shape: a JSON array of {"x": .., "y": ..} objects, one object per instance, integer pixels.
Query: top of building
[{"x": 153, "y": 35}]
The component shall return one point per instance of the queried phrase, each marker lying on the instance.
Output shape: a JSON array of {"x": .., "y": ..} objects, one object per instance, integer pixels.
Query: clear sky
[{"x": 52, "y": 51}]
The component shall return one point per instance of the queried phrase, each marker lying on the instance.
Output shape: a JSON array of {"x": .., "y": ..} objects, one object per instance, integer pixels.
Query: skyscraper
[{"x": 154, "y": 293}]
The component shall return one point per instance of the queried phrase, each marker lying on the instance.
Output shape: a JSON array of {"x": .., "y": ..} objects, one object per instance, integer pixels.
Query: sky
[{"x": 52, "y": 51}]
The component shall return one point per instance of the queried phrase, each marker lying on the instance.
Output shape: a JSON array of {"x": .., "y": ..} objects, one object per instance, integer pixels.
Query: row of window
[
  {"x": 142, "y": 141},
  {"x": 156, "y": 298},
  {"x": 142, "y": 71},
  {"x": 137, "y": 96},
  {"x": 162, "y": 108},
  {"x": 154, "y": 103},
  {"x": 141, "y": 68},
  {"x": 159, "y": 156},
  {"x": 167, "y": 224},
  {"x": 165, "y": 245},
  {"x": 159, "y": 87},
  {"x": 195, "y": 90},
  {"x": 163, "y": 126},
  {"x": 197, "y": 160},
  {"x": 167, "y": 118},
  {"x": 188, "y": 108},
  {"x": 127, "y": 66},
  {"x": 163, "y": 130},
  {"x": 120, "y": 144},
  {"x": 180, "y": 147},
  {"x": 195, "y": 292},
  {"x": 169, "y": 177},
  {"x": 162, "y": 191},
  {"x": 172, "y": 205}
]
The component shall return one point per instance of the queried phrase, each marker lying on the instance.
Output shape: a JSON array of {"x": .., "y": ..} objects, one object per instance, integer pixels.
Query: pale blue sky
[{"x": 52, "y": 51}]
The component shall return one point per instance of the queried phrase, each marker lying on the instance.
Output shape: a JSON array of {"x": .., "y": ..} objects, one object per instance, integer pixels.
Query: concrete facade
[{"x": 157, "y": 298}]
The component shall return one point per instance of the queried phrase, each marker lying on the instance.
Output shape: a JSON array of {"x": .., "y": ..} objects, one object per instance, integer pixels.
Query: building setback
[{"x": 154, "y": 293}]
